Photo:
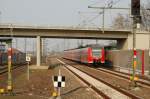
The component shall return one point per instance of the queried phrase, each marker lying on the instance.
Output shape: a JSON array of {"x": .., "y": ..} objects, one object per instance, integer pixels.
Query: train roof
[
  {"x": 91, "y": 45},
  {"x": 75, "y": 48}
]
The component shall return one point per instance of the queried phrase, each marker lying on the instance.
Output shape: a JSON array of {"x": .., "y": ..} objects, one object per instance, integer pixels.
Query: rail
[
  {"x": 124, "y": 92},
  {"x": 4, "y": 69}
]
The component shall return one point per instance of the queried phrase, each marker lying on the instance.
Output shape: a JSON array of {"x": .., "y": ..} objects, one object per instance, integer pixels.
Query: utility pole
[
  {"x": 16, "y": 43},
  {"x": 68, "y": 44},
  {"x": 45, "y": 47},
  {"x": 103, "y": 19},
  {"x": 25, "y": 45},
  {"x": 64, "y": 44},
  {"x": 96, "y": 41},
  {"x": 81, "y": 42},
  {"x": 33, "y": 47},
  {"x": 10, "y": 85}
]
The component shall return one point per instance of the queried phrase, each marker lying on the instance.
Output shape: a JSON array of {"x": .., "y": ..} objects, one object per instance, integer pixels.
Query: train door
[
  {"x": 103, "y": 55},
  {"x": 89, "y": 55}
]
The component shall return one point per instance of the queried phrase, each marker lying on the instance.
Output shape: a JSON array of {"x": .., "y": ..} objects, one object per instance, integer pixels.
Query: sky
[
  {"x": 59, "y": 13},
  {"x": 53, "y": 12}
]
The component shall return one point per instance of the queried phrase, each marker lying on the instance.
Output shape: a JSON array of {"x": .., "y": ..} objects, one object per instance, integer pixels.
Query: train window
[{"x": 96, "y": 53}]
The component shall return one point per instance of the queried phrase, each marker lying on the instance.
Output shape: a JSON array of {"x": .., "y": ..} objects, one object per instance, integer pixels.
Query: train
[
  {"x": 18, "y": 57},
  {"x": 89, "y": 55}
]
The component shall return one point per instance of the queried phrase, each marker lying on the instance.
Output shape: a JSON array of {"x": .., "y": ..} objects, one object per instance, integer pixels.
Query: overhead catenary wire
[
  {"x": 97, "y": 2},
  {"x": 88, "y": 20}
]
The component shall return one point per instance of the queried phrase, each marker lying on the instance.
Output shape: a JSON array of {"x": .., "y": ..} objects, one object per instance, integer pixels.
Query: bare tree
[
  {"x": 145, "y": 16},
  {"x": 127, "y": 22},
  {"x": 121, "y": 22},
  {"x": 124, "y": 22}
]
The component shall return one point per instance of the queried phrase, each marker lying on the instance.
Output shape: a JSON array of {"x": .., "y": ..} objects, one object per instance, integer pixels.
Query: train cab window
[{"x": 96, "y": 53}]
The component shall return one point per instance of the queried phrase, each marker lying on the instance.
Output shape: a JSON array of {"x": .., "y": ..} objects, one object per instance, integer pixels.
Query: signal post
[
  {"x": 135, "y": 12},
  {"x": 9, "y": 83}
]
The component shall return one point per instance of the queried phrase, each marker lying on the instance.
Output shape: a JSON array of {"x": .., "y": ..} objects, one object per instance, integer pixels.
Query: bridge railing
[{"x": 66, "y": 27}]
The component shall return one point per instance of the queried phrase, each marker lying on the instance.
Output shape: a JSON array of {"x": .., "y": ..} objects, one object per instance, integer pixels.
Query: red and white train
[{"x": 88, "y": 55}]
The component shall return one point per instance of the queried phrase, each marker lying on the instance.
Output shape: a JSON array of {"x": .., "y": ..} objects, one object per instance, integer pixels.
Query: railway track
[
  {"x": 124, "y": 75},
  {"x": 16, "y": 71},
  {"x": 4, "y": 69},
  {"x": 140, "y": 76},
  {"x": 103, "y": 88},
  {"x": 141, "y": 82}
]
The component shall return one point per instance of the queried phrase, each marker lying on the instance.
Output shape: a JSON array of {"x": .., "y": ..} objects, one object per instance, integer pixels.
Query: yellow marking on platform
[
  {"x": 2, "y": 91},
  {"x": 54, "y": 94}
]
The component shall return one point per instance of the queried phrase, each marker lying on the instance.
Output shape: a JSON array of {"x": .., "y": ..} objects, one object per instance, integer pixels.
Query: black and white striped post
[{"x": 59, "y": 82}]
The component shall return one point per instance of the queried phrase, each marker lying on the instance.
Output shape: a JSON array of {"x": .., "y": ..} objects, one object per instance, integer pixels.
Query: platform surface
[{"x": 38, "y": 67}]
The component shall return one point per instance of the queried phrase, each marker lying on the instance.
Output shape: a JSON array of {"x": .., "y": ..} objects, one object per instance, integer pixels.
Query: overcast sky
[
  {"x": 55, "y": 12},
  {"x": 58, "y": 12},
  {"x": 52, "y": 12}
]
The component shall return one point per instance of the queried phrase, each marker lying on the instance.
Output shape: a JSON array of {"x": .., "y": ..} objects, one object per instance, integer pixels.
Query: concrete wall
[
  {"x": 123, "y": 58},
  {"x": 142, "y": 41}
]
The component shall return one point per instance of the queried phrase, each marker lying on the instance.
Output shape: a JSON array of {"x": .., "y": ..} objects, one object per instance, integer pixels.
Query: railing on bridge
[{"x": 60, "y": 27}]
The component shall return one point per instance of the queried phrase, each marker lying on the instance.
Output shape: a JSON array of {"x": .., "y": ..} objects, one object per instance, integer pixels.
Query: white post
[
  {"x": 59, "y": 87},
  {"x": 38, "y": 51},
  {"x": 28, "y": 71}
]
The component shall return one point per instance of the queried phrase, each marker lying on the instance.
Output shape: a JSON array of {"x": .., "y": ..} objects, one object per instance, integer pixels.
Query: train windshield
[{"x": 96, "y": 53}]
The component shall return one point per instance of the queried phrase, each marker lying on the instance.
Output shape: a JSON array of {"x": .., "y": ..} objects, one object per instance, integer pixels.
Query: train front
[{"x": 98, "y": 55}]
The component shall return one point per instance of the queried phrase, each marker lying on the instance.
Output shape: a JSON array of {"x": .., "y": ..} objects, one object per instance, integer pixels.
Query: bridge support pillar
[
  {"x": 122, "y": 44},
  {"x": 38, "y": 51},
  {"x": 125, "y": 44}
]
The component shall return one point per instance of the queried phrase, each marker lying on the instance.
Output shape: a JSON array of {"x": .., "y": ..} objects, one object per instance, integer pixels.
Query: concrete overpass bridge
[
  {"x": 62, "y": 32},
  {"x": 124, "y": 37}
]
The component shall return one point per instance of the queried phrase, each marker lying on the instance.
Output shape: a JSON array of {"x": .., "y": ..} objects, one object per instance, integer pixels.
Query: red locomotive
[{"x": 88, "y": 55}]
